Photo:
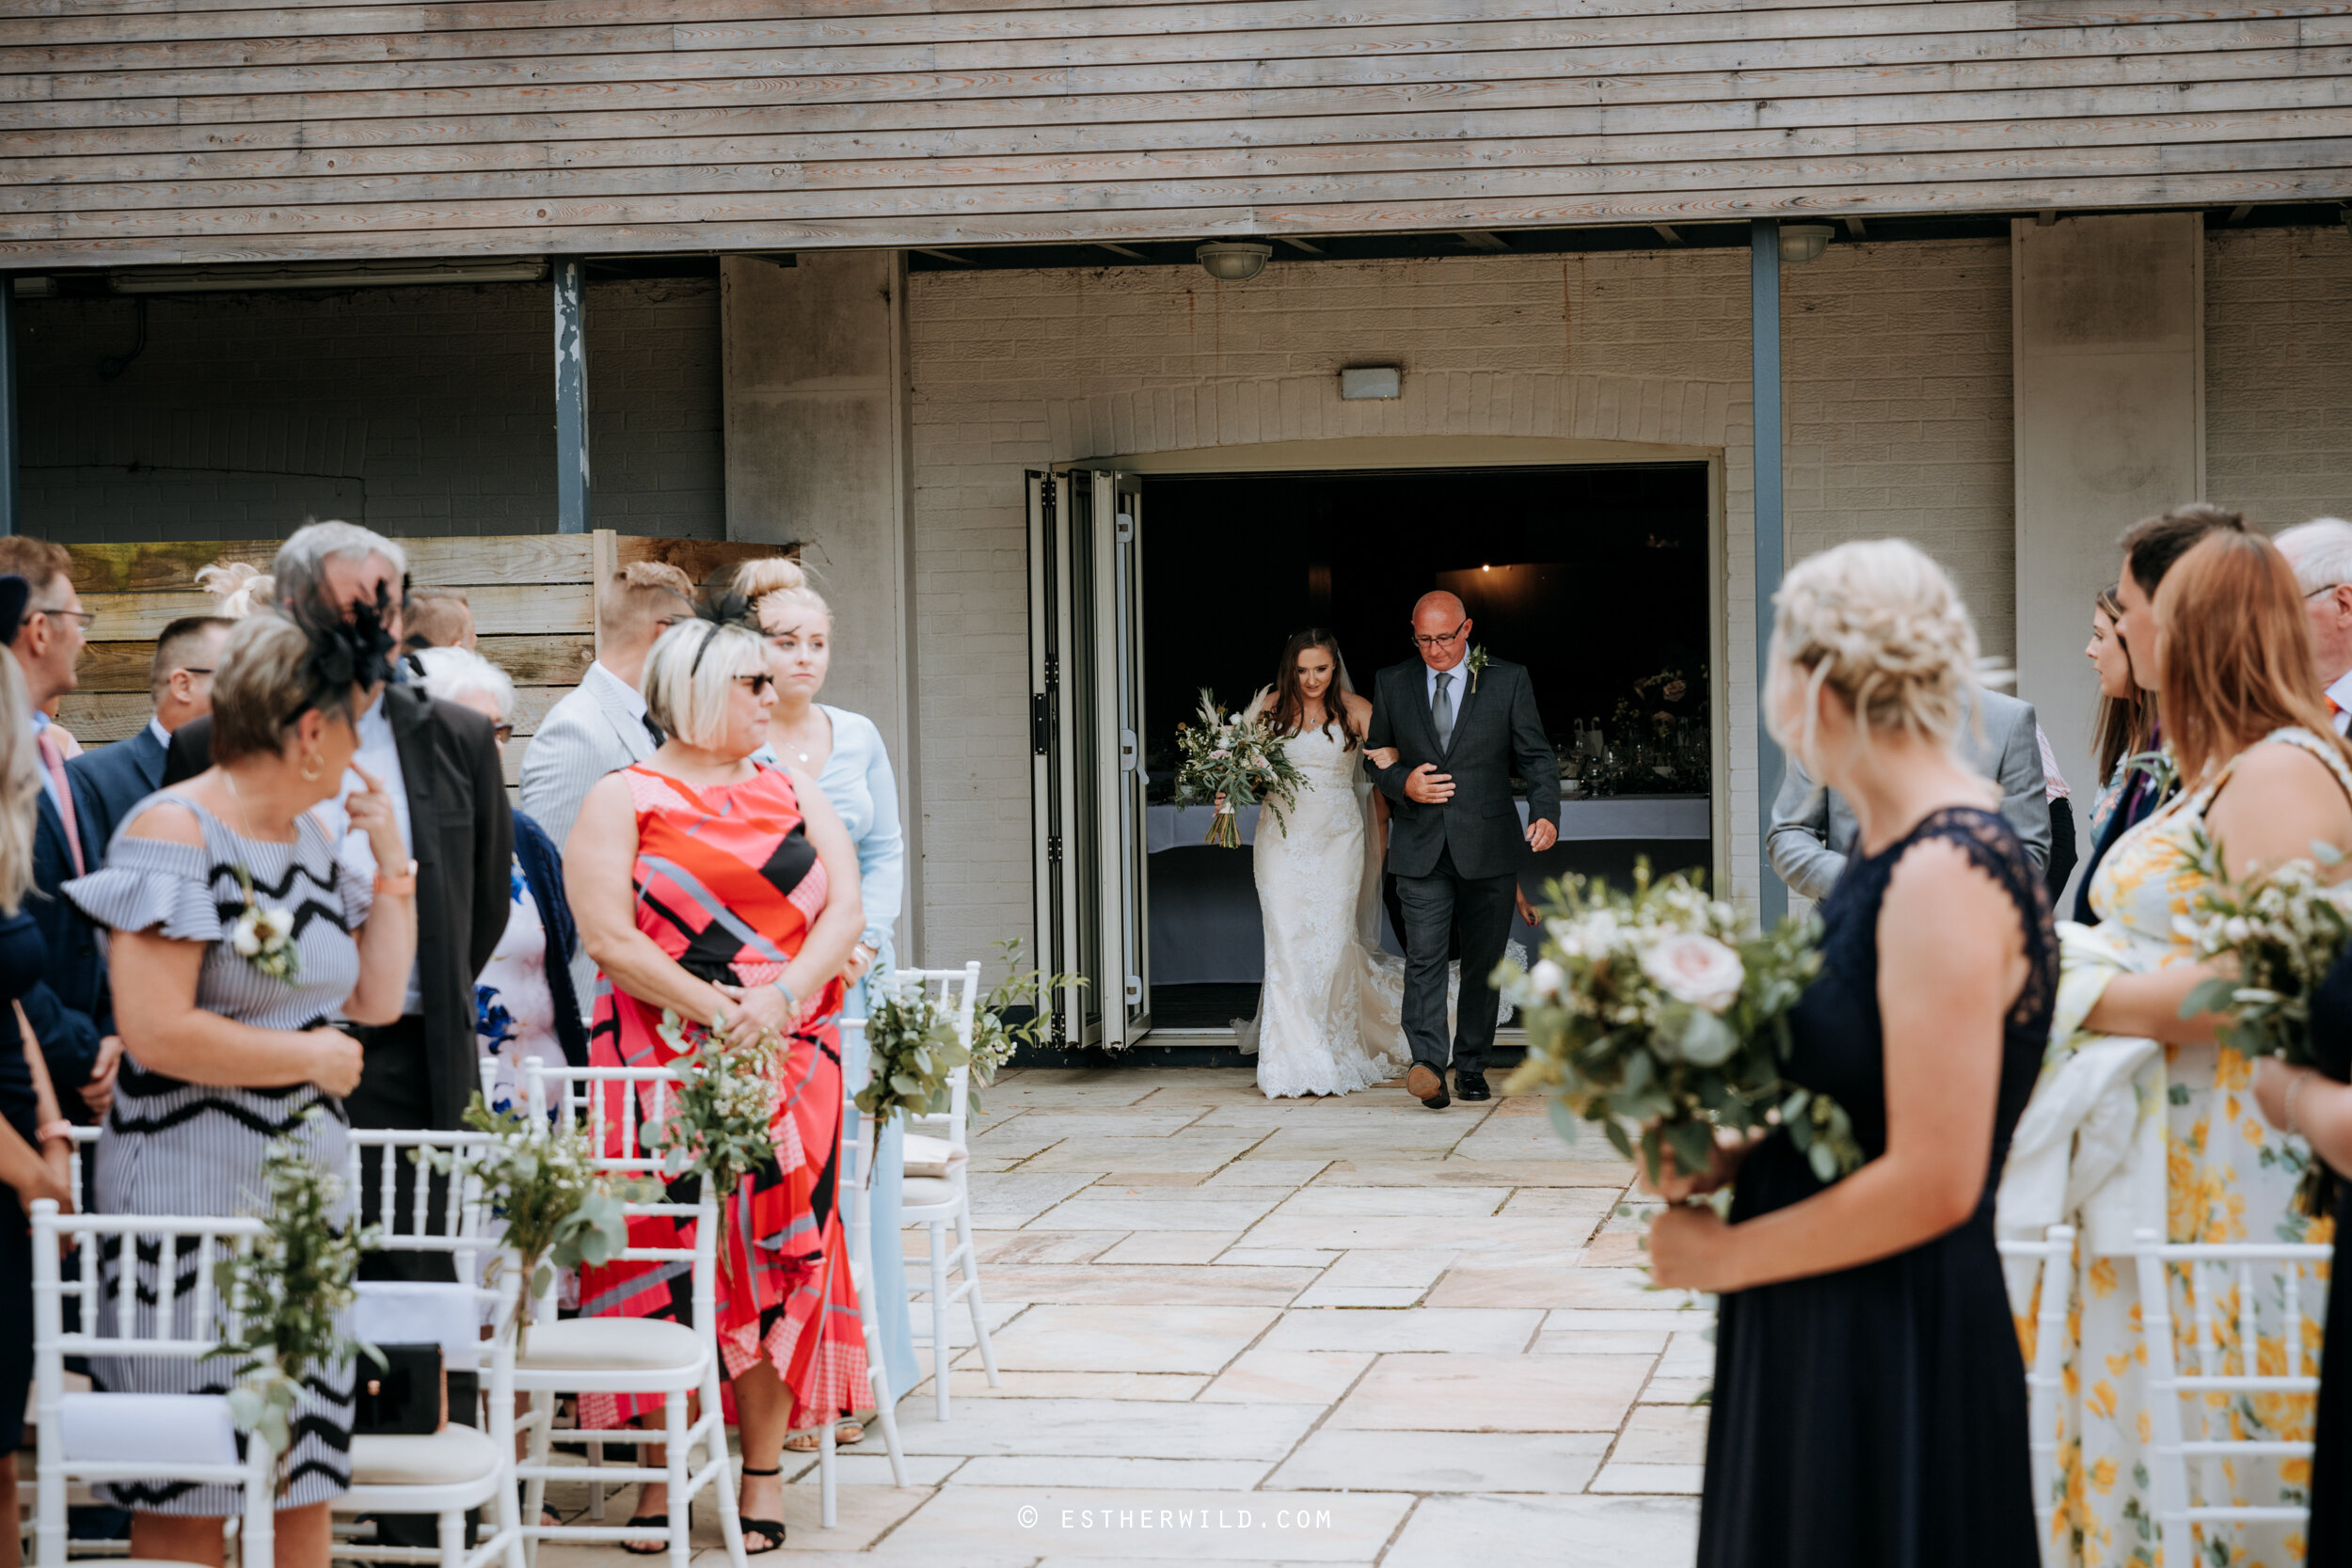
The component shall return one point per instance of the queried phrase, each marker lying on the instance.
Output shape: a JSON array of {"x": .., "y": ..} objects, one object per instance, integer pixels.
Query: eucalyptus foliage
[
  {"x": 285, "y": 1295},
  {"x": 912, "y": 1042},
  {"x": 996, "y": 1039},
  {"x": 1664, "y": 1011},
  {"x": 720, "y": 1112},
  {"x": 540, "y": 1178},
  {"x": 2279, "y": 929}
]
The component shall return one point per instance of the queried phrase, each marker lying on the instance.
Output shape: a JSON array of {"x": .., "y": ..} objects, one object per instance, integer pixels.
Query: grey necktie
[{"x": 1441, "y": 712}]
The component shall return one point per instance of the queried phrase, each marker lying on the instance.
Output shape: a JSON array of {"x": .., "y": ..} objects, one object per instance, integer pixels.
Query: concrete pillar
[
  {"x": 818, "y": 453},
  {"x": 2108, "y": 320}
]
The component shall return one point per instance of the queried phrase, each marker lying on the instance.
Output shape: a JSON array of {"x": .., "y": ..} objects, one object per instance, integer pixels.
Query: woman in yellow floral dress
[{"x": 2264, "y": 774}]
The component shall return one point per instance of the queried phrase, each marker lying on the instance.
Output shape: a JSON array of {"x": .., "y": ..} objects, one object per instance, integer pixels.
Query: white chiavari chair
[
  {"x": 2053, "y": 1257},
  {"x": 2225, "y": 1360},
  {"x": 464, "y": 1466},
  {"x": 937, "y": 1202},
  {"x": 89, "y": 1438},
  {"x": 630, "y": 1355},
  {"x": 857, "y": 1159}
]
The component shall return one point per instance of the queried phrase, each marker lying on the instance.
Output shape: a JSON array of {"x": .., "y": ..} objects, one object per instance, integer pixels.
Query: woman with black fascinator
[{"x": 228, "y": 900}]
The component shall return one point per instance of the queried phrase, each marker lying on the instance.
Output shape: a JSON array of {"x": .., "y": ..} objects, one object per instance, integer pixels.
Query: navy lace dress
[
  {"x": 2331, "y": 1539},
  {"x": 21, "y": 956},
  {"x": 1875, "y": 1418}
]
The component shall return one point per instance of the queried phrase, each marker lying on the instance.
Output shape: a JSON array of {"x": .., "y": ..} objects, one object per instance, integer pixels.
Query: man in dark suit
[
  {"x": 70, "y": 1011},
  {"x": 1455, "y": 840},
  {"x": 108, "y": 782},
  {"x": 440, "y": 762}
]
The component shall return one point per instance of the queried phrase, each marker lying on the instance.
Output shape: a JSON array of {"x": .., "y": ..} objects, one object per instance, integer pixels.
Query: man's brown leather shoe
[{"x": 1428, "y": 1084}]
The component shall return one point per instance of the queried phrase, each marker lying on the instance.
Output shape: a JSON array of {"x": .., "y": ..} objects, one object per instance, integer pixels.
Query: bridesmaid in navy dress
[
  {"x": 2318, "y": 1106},
  {"x": 1869, "y": 1401}
]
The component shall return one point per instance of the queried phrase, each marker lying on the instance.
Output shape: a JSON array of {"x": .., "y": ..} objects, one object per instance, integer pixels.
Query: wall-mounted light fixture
[
  {"x": 1370, "y": 381},
  {"x": 1801, "y": 242},
  {"x": 1236, "y": 261}
]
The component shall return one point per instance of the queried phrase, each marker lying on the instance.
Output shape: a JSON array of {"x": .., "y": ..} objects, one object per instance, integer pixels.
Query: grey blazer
[
  {"x": 593, "y": 731},
  {"x": 1497, "y": 731},
  {"x": 1813, "y": 830}
]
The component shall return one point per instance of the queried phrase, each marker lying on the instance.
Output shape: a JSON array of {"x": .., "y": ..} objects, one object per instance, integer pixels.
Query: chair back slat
[
  {"x": 604, "y": 1102},
  {"x": 958, "y": 992},
  {"x": 2207, "y": 1373}
]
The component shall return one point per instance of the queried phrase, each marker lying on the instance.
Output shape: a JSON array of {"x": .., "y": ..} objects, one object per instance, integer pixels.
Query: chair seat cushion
[
  {"x": 918, "y": 1191},
  {"x": 146, "y": 1429},
  {"x": 610, "y": 1345},
  {"x": 929, "y": 1156},
  {"x": 448, "y": 1457}
]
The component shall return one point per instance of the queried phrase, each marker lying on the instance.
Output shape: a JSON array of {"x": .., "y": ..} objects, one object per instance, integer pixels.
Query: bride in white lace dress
[{"x": 1327, "y": 1019}]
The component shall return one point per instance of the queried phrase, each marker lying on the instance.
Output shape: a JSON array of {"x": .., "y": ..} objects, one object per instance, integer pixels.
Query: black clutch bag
[{"x": 407, "y": 1397}]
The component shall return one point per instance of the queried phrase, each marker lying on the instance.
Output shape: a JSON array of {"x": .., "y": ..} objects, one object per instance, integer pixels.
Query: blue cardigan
[{"x": 543, "y": 868}]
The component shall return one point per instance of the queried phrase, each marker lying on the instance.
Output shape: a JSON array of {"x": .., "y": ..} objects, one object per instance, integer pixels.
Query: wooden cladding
[
  {"x": 148, "y": 131},
  {"x": 533, "y": 599}
]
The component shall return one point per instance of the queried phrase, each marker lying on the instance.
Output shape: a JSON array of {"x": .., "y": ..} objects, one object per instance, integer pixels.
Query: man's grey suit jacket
[
  {"x": 592, "y": 732},
  {"x": 1813, "y": 830}
]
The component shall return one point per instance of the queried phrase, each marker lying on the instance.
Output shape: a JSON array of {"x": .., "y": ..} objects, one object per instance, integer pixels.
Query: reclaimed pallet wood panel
[{"x": 176, "y": 131}]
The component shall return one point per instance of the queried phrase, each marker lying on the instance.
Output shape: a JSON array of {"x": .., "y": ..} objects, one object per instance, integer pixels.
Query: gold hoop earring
[{"x": 313, "y": 767}]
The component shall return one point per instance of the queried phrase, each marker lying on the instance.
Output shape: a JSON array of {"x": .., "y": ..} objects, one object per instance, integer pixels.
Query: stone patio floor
[{"x": 1236, "y": 1330}]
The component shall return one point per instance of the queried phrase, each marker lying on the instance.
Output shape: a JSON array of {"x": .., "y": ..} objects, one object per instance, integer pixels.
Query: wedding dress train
[{"x": 1329, "y": 1016}]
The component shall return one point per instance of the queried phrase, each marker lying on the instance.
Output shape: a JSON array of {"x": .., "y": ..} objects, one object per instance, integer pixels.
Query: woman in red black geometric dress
[{"x": 721, "y": 887}]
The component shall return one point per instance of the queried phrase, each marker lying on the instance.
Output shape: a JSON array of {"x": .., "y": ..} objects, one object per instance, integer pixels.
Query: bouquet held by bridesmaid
[{"x": 1662, "y": 1011}]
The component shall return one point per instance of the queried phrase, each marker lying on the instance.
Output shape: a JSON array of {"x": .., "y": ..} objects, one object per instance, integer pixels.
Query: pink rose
[{"x": 1695, "y": 968}]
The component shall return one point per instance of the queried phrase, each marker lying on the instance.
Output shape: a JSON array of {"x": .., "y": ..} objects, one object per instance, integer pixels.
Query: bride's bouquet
[
  {"x": 1232, "y": 761},
  {"x": 1662, "y": 1011}
]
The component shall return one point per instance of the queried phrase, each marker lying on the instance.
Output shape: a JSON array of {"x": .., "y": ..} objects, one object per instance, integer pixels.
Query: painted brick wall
[
  {"x": 1896, "y": 360},
  {"x": 2279, "y": 373},
  {"x": 418, "y": 411}
]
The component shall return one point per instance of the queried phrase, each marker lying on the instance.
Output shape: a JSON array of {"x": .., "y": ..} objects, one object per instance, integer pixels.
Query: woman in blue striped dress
[{"x": 237, "y": 932}]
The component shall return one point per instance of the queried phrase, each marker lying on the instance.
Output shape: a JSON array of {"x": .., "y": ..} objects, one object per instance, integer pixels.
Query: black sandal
[
  {"x": 648, "y": 1521},
  {"x": 769, "y": 1531}
]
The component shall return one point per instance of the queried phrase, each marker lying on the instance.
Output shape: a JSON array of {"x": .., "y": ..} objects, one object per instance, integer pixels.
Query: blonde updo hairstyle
[
  {"x": 1878, "y": 622},
  {"x": 782, "y": 581},
  {"x": 688, "y": 672}
]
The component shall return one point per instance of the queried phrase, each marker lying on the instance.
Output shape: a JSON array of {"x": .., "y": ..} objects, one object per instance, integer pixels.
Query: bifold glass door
[{"x": 1088, "y": 779}]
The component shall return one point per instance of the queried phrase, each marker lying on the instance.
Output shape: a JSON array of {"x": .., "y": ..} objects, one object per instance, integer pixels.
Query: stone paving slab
[{"x": 1386, "y": 1336}]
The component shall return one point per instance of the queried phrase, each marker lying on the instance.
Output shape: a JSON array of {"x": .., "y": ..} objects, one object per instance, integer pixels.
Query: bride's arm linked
[
  {"x": 2279, "y": 800},
  {"x": 1380, "y": 736}
]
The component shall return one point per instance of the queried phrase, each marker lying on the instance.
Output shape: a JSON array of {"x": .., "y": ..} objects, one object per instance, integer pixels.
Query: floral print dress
[{"x": 2229, "y": 1177}]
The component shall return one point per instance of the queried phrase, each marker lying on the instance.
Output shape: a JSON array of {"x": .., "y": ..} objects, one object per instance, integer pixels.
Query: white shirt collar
[
  {"x": 2342, "y": 694},
  {"x": 156, "y": 728},
  {"x": 1454, "y": 690},
  {"x": 617, "y": 689}
]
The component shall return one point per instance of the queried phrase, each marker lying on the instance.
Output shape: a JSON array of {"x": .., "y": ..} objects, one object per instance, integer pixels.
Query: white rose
[
  {"x": 1695, "y": 968},
  {"x": 277, "y": 923},
  {"x": 1547, "y": 978},
  {"x": 244, "y": 940}
]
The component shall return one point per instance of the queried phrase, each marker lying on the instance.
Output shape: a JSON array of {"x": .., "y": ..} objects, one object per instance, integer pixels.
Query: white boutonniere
[
  {"x": 263, "y": 937},
  {"x": 1477, "y": 663}
]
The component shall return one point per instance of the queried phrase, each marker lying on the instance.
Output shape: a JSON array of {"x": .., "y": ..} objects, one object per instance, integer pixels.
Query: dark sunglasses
[{"x": 758, "y": 683}]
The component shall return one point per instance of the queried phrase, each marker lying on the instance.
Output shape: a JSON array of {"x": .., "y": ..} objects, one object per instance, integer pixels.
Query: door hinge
[
  {"x": 1053, "y": 852},
  {"x": 1039, "y": 731},
  {"x": 1127, "y": 749}
]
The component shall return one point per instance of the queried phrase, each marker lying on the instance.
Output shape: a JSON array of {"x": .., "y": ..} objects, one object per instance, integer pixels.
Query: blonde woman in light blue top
[{"x": 844, "y": 751}]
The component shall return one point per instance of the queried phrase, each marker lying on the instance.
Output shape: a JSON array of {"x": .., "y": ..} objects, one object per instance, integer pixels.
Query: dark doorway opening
[{"x": 1595, "y": 577}]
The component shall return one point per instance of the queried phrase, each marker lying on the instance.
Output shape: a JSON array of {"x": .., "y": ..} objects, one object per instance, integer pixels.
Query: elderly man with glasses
[
  {"x": 2321, "y": 553},
  {"x": 70, "y": 1011}
]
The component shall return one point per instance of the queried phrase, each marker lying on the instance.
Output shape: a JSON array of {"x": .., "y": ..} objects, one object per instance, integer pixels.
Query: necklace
[{"x": 794, "y": 746}]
